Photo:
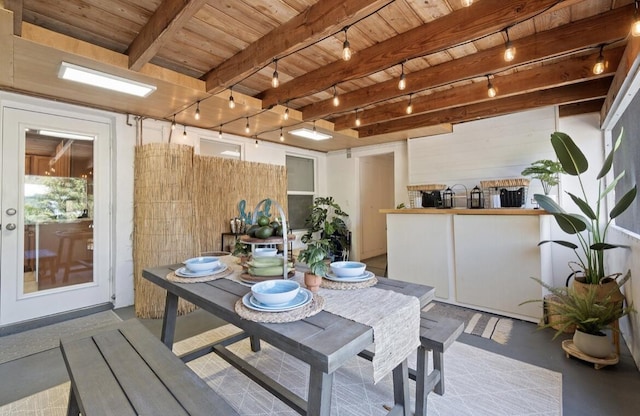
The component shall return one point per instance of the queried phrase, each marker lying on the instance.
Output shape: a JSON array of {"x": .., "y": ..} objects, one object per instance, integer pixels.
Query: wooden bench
[
  {"x": 128, "y": 371},
  {"x": 437, "y": 333}
]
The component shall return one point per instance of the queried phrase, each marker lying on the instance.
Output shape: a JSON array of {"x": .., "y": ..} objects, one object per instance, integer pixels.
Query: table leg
[
  {"x": 255, "y": 343},
  {"x": 169, "y": 320},
  {"x": 319, "y": 397},
  {"x": 401, "y": 387}
]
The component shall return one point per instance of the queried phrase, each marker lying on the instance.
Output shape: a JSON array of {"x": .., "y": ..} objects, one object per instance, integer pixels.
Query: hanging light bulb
[
  {"x": 358, "y": 121},
  {"x": 256, "y": 142},
  {"x": 346, "y": 48},
  {"x": 467, "y": 3},
  {"x": 197, "y": 114},
  {"x": 598, "y": 68},
  {"x": 274, "y": 79},
  {"x": 402, "y": 84},
  {"x": 491, "y": 91},
  {"x": 220, "y": 133},
  {"x": 410, "y": 105},
  {"x": 247, "y": 129},
  {"x": 185, "y": 131},
  {"x": 635, "y": 27},
  {"x": 281, "y": 135},
  {"x": 173, "y": 123},
  {"x": 336, "y": 100},
  {"x": 286, "y": 113},
  {"x": 509, "y": 49},
  {"x": 232, "y": 103}
]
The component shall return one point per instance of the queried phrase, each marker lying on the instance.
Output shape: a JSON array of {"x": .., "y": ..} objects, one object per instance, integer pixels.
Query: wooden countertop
[{"x": 467, "y": 211}]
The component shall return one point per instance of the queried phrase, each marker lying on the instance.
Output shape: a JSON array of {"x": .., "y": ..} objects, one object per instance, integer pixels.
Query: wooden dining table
[{"x": 324, "y": 341}]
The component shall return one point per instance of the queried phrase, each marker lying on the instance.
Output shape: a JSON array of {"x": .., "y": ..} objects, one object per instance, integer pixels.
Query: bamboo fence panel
[
  {"x": 164, "y": 224},
  {"x": 222, "y": 183},
  {"x": 182, "y": 205}
]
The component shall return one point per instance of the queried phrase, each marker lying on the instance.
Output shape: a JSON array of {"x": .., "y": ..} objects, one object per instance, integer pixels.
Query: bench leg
[
  {"x": 401, "y": 387},
  {"x": 438, "y": 364},
  {"x": 319, "y": 394},
  {"x": 72, "y": 409},
  {"x": 422, "y": 363}
]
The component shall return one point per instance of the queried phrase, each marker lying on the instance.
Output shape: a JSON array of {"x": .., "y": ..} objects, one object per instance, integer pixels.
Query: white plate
[
  {"x": 367, "y": 275},
  {"x": 302, "y": 298},
  {"x": 184, "y": 272}
]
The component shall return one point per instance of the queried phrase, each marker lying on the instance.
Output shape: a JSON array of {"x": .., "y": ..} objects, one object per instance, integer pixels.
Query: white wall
[
  {"x": 343, "y": 183},
  {"x": 495, "y": 148}
]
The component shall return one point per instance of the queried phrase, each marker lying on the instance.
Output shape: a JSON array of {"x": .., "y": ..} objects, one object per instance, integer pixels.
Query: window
[
  {"x": 300, "y": 189},
  {"x": 219, "y": 149}
]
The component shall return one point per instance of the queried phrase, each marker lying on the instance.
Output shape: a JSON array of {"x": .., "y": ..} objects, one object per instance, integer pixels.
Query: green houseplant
[
  {"x": 326, "y": 219},
  {"x": 314, "y": 255},
  {"x": 591, "y": 225},
  {"x": 546, "y": 171},
  {"x": 588, "y": 312}
]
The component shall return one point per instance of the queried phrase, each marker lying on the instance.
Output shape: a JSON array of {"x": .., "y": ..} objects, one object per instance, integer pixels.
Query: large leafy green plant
[
  {"x": 592, "y": 224},
  {"x": 326, "y": 218}
]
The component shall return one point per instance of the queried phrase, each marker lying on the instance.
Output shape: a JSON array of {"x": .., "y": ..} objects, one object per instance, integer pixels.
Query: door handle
[{"x": 11, "y": 226}]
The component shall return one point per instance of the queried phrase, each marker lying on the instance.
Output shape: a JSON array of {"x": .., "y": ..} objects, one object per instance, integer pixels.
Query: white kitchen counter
[{"x": 479, "y": 258}]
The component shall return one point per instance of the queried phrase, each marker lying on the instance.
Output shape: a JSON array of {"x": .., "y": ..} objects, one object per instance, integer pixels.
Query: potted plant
[
  {"x": 241, "y": 250},
  {"x": 314, "y": 256},
  {"x": 591, "y": 225},
  {"x": 327, "y": 220},
  {"x": 546, "y": 171},
  {"x": 589, "y": 313}
]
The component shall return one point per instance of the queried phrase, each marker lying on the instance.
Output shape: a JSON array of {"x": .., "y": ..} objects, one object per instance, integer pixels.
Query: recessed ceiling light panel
[
  {"x": 310, "y": 134},
  {"x": 95, "y": 78}
]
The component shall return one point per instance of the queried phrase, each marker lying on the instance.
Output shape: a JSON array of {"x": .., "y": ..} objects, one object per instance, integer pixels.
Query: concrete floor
[{"x": 611, "y": 391}]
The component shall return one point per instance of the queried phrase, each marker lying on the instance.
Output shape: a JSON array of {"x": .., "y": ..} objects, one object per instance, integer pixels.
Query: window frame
[{"x": 315, "y": 181}]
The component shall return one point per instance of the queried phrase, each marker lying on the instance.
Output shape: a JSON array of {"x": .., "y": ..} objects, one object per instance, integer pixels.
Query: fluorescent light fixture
[
  {"x": 310, "y": 134},
  {"x": 230, "y": 153},
  {"x": 95, "y": 78},
  {"x": 64, "y": 135}
]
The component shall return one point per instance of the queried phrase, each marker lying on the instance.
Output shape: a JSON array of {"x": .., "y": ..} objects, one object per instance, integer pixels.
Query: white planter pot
[{"x": 593, "y": 345}]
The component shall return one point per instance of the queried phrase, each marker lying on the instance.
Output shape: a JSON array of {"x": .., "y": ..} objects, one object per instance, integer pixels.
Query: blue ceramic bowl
[
  {"x": 202, "y": 264},
  {"x": 275, "y": 292},
  {"x": 347, "y": 268}
]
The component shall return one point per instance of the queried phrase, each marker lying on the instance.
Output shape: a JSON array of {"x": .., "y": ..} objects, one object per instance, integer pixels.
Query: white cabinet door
[{"x": 495, "y": 257}]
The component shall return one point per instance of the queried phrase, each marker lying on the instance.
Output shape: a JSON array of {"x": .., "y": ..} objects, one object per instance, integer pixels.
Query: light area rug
[
  {"x": 36, "y": 340},
  {"x": 478, "y": 383},
  {"x": 485, "y": 325}
]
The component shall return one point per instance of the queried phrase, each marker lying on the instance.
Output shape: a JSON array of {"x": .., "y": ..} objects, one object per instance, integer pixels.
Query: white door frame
[{"x": 14, "y": 305}]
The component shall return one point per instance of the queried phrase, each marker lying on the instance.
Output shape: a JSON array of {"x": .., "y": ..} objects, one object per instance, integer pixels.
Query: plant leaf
[
  {"x": 548, "y": 204},
  {"x": 584, "y": 207},
  {"x": 624, "y": 202},
  {"x": 570, "y": 156},
  {"x": 570, "y": 223},
  {"x": 560, "y": 242},
  {"x": 603, "y": 246},
  {"x": 612, "y": 185},
  {"x": 606, "y": 167}
]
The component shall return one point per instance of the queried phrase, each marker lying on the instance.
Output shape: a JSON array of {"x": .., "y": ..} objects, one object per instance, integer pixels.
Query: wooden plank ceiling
[{"x": 199, "y": 52}]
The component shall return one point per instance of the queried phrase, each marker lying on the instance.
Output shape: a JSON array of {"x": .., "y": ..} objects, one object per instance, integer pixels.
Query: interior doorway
[{"x": 376, "y": 193}]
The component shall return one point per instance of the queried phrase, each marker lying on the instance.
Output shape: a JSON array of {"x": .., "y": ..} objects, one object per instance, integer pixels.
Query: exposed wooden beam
[
  {"x": 576, "y": 69},
  {"x": 316, "y": 22},
  {"x": 567, "y": 94},
  {"x": 604, "y": 28},
  {"x": 459, "y": 26},
  {"x": 169, "y": 17},
  {"x": 628, "y": 65},
  {"x": 16, "y": 7},
  {"x": 583, "y": 107}
]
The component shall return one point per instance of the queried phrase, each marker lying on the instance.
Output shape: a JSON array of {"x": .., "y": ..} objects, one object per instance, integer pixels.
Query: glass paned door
[{"x": 54, "y": 209}]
